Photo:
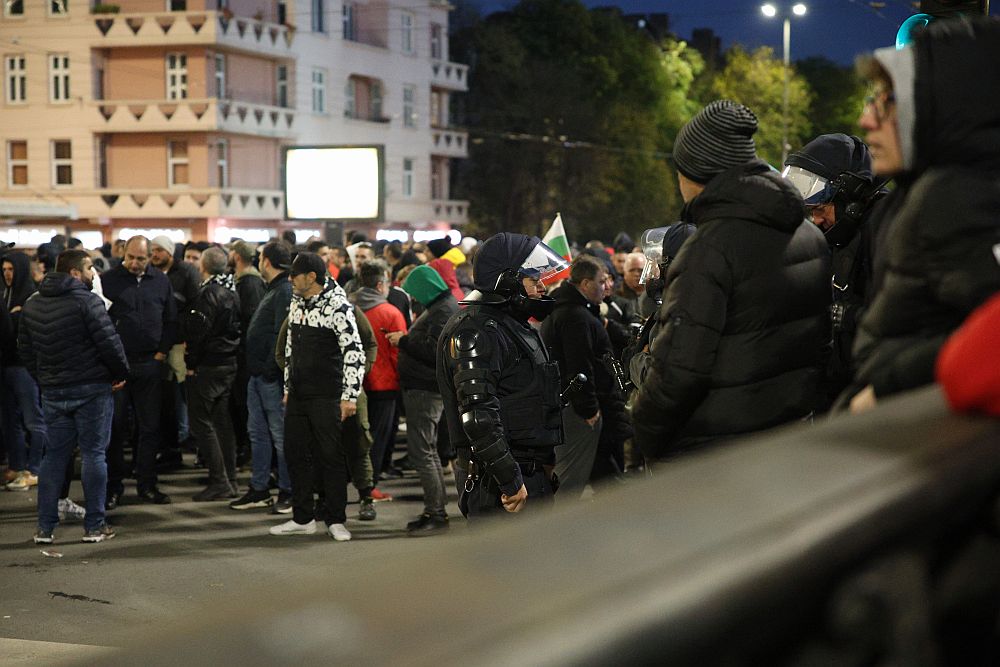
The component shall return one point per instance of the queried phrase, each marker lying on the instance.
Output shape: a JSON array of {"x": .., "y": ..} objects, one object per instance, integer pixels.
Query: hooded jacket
[
  {"x": 447, "y": 272},
  {"x": 418, "y": 348},
  {"x": 384, "y": 318},
  {"x": 14, "y": 297},
  {"x": 738, "y": 342},
  {"x": 941, "y": 252},
  {"x": 66, "y": 337}
]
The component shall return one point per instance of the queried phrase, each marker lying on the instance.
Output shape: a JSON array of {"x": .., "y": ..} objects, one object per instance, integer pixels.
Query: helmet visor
[
  {"x": 814, "y": 189},
  {"x": 542, "y": 263}
]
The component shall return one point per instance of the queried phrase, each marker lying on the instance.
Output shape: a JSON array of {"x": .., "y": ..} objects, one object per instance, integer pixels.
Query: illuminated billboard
[{"x": 334, "y": 183}]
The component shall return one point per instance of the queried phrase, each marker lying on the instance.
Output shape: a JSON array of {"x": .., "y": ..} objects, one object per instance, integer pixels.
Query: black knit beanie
[{"x": 720, "y": 136}]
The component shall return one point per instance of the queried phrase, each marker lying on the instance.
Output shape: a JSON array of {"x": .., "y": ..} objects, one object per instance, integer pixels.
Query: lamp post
[{"x": 770, "y": 11}]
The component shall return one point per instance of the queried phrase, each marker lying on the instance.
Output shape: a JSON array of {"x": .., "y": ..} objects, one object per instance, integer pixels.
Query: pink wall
[
  {"x": 140, "y": 160},
  {"x": 253, "y": 162},
  {"x": 250, "y": 79},
  {"x": 372, "y": 22},
  {"x": 133, "y": 74}
]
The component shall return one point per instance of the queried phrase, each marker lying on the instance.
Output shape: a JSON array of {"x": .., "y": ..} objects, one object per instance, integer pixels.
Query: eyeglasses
[{"x": 880, "y": 103}]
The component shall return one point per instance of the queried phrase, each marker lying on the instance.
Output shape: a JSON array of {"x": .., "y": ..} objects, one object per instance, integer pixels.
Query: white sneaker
[
  {"x": 292, "y": 528},
  {"x": 70, "y": 510},
  {"x": 339, "y": 532}
]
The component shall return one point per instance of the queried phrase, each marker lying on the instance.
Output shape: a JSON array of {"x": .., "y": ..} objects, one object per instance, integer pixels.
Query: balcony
[
  {"x": 238, "y": 33},
  {"x": 453, "y": 211},
  {"x": 192, "y": 115},
  {"x": 450, "y": 76},
  {"x": 247, "y": 204},
  {"x": 450, "y": 142}
]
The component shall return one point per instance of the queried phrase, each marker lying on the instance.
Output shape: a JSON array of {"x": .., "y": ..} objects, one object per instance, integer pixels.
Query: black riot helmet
[
  {"x": 501, "y": 264},
  {"x": 835, "y": 169}
]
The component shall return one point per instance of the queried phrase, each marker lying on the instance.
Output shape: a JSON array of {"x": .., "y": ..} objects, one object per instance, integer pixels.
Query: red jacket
[
  {"x": 447, "y": 272},
  {"x": 384, "y": 376},
  {"x": 968, "y": 366}
]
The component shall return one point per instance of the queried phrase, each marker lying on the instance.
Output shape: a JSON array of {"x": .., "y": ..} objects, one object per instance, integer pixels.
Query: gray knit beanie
[{"x": 720, "y": 136}]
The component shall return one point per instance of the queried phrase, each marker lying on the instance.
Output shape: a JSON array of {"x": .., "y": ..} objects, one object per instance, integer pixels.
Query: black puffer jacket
[
  {"x": 941, "y": 257},
  {"x": 211, "y": 328},
  {"x": 738, "y": 342},
  {"x": 66, "y": 337},
  {"x": 418, "y": 348}
]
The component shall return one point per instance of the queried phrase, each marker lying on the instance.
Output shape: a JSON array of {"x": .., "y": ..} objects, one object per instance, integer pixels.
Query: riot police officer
[
  {"x": 833, "y": 172},
  {"x": 500, "y": 389}
]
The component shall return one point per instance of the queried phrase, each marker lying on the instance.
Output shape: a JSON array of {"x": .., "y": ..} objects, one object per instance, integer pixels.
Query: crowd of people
[{"x": 779, "y": 297}]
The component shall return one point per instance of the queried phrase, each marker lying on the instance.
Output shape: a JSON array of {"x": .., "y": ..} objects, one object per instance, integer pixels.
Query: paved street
[{"x": 167, "y": 562}]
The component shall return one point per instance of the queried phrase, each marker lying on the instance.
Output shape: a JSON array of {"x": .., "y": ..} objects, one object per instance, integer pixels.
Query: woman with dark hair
[{"x": 22, "y": 410}]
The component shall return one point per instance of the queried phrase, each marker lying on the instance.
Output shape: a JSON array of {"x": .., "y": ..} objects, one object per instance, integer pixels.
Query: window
[
  {"x": 58, "y": 8},
  {"x": 16, "y": 76},
  {"x": 437, "y": 41},
  {"x": 318, "y": 16},
  {"x": 177, "y": 77},
  {"x": 318, "y": 90},
  {"x": 17, "y": 164},
  {"x": 438, "y": 117},
  {"x": 349, "y": 24},
  {"x": 282, "y": 12},
  {"x": 375, "y": 100},
  {"x": 220, "y": 75},
  {"x": 13, "y": 7},
  {"x": 177, "y": 5},
  {"x": 177, "y": 164},
  {"x": 407, "y": 177},
  {"x": 102, "y": 161},
  {"x": 62, "y": 163},
  {"x": 222, "y": 162},
  {"x": 281, "y": 92},
  {"x": 350, "y": 98},
  {"x": 58, "y": 77},
  {"x": 437, "y": 179},
  {"x": 409, "y": 106},
  {"x": 406, "y": 30}
]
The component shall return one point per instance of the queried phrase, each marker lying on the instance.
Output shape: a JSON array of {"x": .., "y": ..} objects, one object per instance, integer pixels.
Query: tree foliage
[{"x": 575, "y": 110}]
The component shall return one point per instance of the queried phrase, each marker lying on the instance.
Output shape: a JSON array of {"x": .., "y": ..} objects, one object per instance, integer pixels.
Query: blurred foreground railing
[{"x": 861, "y": 540}]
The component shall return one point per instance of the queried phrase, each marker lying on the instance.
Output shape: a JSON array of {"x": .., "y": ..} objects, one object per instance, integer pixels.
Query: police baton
[{"x": 574, "y": 385}]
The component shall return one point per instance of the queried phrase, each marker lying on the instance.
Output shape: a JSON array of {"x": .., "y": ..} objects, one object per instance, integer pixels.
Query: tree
[
  {"x": 756, "y": 79},
  {"x": 568, "y": 111},
  {"x": 838, "y": 94}
]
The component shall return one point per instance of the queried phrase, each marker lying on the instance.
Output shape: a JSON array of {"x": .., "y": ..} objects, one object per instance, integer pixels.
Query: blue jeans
[
  {"x": 75, "y": 416},
  {"x": 266, "y": 427},
  {"x": 22, "y": 407}
]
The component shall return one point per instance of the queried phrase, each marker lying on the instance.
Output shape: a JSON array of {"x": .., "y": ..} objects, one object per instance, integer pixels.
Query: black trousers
[
  {"x": 315, "y": 454},
  {"x": 208, "y": 413},
  {"x": 142, "y": 395}
]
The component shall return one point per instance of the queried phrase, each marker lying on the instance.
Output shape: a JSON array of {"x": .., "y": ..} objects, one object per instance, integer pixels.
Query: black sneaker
[
  {"x": 427, "y": 525},
  {"x": 99, "y": 534},
  {"x": 154, "y": 496},
  {"x": 367, "y": 510},
  {"x": 252, "y": 499},
  {"x": 43, "y": 536},
  {"x": 283, "y": 504}
]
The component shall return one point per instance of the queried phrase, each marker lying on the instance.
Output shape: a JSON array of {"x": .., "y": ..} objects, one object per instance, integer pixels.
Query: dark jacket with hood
[
  {"x": 739, "y": 339},
  {"x": 941, "y": 254},
  {"x": 262, "y": 332},
  {"x": 14, "y": 297},
  {"x": 418, "y": 349},
  {"x": 211, "y": 328},
  {"x": 66, "y": 337}
]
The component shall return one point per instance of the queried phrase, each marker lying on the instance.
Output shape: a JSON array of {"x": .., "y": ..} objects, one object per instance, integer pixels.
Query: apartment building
[{"x": 169, "y": 116}]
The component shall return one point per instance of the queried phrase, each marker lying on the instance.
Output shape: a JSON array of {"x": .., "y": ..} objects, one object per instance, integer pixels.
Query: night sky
[{"x": 836, "y": 29}]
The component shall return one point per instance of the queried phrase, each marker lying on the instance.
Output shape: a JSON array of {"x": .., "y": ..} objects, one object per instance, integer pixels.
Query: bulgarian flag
[{"x": 556, "y": 239}]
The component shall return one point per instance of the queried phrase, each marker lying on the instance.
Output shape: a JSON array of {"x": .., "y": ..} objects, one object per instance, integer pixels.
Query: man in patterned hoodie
[{"x": 325, "y": 365}]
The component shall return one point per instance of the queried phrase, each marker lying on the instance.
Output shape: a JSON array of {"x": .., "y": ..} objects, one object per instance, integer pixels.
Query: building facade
[{"x": 169, "y": 116}]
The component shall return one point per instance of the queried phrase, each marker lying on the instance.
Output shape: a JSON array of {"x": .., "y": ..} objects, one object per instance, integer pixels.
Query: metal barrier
[{"x": 867, "y": 539}]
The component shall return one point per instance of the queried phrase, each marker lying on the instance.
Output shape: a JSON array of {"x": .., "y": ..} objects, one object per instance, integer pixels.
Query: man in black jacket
[
  {"x": 212, "y": 333},
  {"x": 740, "y": 336},
  {"x": 325, "y": 366},
  {"x": 69, "y": 345},
  {"x": 578, "y": 341},
  {"x": 421, "y": 397},
  {"x": 250, "y": 290},
  {"x": 938, "y": 255},
  {"x": 145, "y": 315},
  {"x": 266, "y": 414}
]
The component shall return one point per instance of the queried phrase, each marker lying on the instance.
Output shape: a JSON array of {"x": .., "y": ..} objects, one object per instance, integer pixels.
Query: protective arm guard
[{"x": 479, "y": 409}]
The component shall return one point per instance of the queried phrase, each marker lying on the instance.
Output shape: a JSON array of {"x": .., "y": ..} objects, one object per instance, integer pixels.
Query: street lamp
[{"x": 770, "y": 11}]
